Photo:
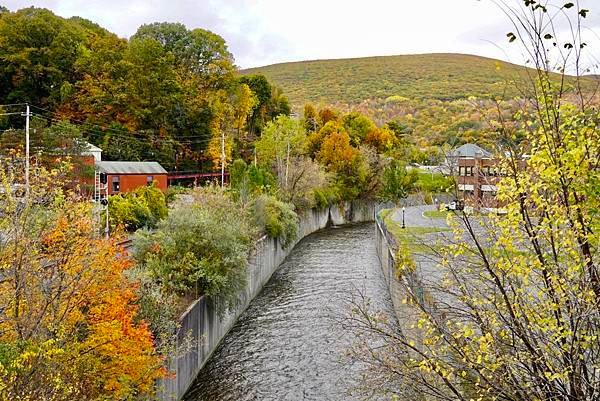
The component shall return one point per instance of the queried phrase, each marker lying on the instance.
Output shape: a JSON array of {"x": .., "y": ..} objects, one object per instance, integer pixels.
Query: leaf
[
  {"x": 568, "y": 46},
  {"x": 548, "y": 36},
  {"x": 569, "y": 5},
  {"x": 529, "y": 2},
  {"x": 511, "y": 37},
  {"x": 583, "y": 12}
]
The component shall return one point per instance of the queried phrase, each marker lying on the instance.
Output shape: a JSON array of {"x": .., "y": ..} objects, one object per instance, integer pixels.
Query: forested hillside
[
  {"x": 166, "y": 94},
  {"x": 424, "y": 76}
]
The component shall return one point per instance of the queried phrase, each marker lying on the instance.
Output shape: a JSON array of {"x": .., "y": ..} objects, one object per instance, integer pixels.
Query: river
[{"x": 289, "y": 344}]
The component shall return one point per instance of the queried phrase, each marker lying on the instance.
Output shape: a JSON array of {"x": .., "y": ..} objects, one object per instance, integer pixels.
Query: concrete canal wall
[
  {"x": 202, "y": 328},
  {"x": 400, "y": 288}
]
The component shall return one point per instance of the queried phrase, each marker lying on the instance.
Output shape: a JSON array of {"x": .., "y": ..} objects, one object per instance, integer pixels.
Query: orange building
[{"x": 128, "y": 176}]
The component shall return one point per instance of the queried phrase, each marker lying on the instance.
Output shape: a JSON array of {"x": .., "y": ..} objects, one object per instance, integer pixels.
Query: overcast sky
[{"x": 261, "y": 32}]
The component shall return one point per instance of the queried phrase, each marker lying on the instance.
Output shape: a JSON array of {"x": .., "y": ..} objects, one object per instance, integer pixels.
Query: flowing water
[{"x": 290, "y": 343}]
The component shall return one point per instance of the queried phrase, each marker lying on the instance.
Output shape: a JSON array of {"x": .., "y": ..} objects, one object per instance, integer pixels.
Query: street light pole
[{"x": 403, "y": 211}]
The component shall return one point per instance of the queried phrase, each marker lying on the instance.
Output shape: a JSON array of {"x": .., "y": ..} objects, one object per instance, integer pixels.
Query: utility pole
[
  {"x": 106, "y": 227},
  {"x": 222, "y": 158},
  {"x": 287, "y": 163},
  {"x": 27, "y": 114}
]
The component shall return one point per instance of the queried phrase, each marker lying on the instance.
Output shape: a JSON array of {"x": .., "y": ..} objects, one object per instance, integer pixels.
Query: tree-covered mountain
[{"x": 425, "y": 76}]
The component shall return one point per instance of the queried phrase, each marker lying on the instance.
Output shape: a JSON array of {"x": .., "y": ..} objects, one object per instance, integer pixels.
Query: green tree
[
  {"x": 281, "y": 140},
  {"x": 358, "y": 127},
  {"x": 198, "y": 52},
  {"x": 397, "y": 182},
  {"x": 37, "y": 56},
  {"x": 262, "y": 89}
]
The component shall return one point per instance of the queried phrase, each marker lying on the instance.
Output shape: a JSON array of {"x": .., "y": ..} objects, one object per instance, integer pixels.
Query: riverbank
[{"x": 202, "y": 328}]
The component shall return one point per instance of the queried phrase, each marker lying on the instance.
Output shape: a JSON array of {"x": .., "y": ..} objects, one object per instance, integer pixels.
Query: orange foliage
[
  {"x": 336, "y": 151},
  {"x": 381, "y": 139},
  {"x": 326, "y": 115},
  {"x": 71, "y": 325}
]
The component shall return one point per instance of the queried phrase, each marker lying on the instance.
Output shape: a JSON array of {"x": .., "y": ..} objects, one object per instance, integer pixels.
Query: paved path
[{"x": 414, "y": 217}]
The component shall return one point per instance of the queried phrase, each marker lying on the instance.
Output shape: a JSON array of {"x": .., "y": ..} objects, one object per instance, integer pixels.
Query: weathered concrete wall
[
  {"x": 400, "y": 288},
  {"x": 202, "y": 328}
]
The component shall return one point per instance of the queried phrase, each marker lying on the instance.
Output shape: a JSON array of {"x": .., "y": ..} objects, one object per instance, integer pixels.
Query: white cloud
[{"x": 262, "y": 32}]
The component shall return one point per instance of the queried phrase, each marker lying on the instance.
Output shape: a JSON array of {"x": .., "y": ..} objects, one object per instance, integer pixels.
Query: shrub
[
  {"x": 277, "y": 219},
  {"x": 156, "y": 201},
  {"x": 134, "y": 210},
  {"x": 260, "y": 180},
  {"x": 325, "y": 196},
  {"x": 173, "y": 191},
  {"x": 201, "y": 247},
  {"x": 128, "y": 212}
]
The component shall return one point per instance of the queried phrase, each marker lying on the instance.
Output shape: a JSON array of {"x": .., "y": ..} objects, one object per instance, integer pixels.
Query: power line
[
  {"x": 127, "y": 135},
  {"x": 13, "y": 104},
  {"x": 119, "y": 132}
]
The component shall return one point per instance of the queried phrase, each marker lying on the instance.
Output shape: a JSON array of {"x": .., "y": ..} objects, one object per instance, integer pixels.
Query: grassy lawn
[
  {"x": 411, "y": 237},
  {"x": 436, "y": 214},
  {"x": 435, "y": 182}
]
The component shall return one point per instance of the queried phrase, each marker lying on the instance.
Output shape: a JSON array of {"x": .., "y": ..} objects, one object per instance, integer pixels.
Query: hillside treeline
[{"x": 166, "y": 94}]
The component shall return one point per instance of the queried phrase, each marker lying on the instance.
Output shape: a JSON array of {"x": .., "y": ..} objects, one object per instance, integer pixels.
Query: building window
[
  {"x": 469, "y": 171},
  {"x": 461, "y": 171},
  {"x": 149, "y": 180},
  {"x": 116, "y": 184}
]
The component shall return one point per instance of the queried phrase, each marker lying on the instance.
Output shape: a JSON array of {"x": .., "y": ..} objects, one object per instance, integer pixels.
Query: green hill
[{"x": 426, "y": 76}]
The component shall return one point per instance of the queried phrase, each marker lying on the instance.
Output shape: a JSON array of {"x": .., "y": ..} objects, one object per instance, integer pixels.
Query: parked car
[{"x": 456, "y": 205}]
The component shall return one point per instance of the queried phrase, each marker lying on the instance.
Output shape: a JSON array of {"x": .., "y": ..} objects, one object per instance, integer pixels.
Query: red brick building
[
  {"x": 477, "y": 173},
  {"x": 128, "y": 176}
]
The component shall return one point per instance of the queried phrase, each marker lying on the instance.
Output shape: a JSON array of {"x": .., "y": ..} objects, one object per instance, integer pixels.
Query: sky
[{"x": 262, "y": 32}]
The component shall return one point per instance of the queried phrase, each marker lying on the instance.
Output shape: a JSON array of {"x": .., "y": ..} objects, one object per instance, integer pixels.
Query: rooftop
[
  {"x": 130, "y": 168},
  {"x": 88, "y": 147},
  {"x": 471, "y": 150}
]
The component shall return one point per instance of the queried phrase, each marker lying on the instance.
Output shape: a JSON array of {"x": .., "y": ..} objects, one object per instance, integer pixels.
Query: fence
[{"x": 402, "y": 288}]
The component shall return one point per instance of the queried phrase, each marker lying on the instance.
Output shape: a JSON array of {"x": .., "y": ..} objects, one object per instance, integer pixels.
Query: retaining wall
[
  {"x": 400, "y": 288},
  {"x": 202, "y": 328}
]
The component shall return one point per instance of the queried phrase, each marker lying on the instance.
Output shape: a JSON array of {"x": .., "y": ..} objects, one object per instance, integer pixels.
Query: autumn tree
[
  {"x": 382, "y": 139},
  {"x": 282, "y": 139},
  {"x": 69, "y": 326},
  {"x": 341, "y": 158},
  {"x": 512, "y": 312}
]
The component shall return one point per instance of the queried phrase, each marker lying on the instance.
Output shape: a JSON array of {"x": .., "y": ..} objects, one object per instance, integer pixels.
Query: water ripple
[{"x": 289, "y": 345}]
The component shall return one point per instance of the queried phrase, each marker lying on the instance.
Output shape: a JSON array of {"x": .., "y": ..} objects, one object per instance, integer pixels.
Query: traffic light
[{"x": 103, "y": 178}]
